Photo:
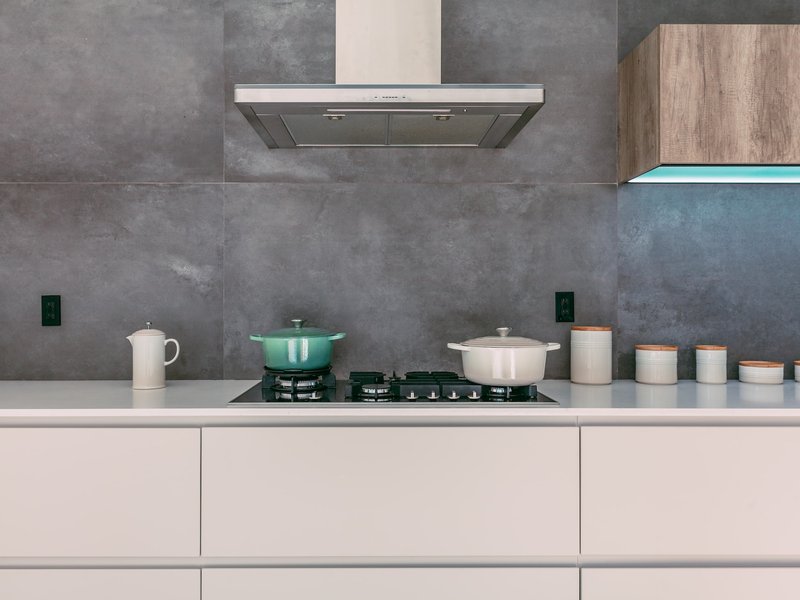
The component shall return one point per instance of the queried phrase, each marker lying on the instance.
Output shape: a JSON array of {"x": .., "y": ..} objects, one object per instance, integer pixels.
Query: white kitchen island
[{"x": 623, "y": 491}]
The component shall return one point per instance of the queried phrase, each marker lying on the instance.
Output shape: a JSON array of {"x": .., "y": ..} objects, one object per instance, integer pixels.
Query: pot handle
[
  {"x": 461, "y": 347},
  {"x": 553, "y": 346},
  {"x": 256, "y": 337},
  {"x": 336, "y": 336}
]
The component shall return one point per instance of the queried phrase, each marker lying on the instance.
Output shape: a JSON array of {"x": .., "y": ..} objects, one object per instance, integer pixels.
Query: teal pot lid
[
  {"x": 298, "y": 330},
  {"x": 721, "y": 174}
]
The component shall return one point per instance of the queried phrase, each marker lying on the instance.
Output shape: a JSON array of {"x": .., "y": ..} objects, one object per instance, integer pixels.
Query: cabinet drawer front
[
  {"x": 99, "y": 584},
  {"x": 391, "y": 584},
  {"x": 390, "y": 491},
  {"x": 99, "y": 492},
  {"x": 690, "y": 584},
  {"x": 690, "y": 491}
]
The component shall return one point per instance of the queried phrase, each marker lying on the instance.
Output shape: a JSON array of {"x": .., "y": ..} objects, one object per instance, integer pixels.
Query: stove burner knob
[
  {"x": 412, "y": 396},
  {"x": 453, "y": 396},
  {"x": 474, "y": 396},
  {"x": 433, "y": 396}
]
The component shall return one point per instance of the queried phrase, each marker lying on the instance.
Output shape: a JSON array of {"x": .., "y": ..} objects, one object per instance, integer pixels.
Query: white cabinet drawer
[
  {"x": 690, "y": 584},
  {"x": 99, "y": 584},
  {"x": 690, "y": 491},
  {"x": 99, "y": 492},
  {"x": 390, "y": 491},
  {"x": 391, "y": 584}
]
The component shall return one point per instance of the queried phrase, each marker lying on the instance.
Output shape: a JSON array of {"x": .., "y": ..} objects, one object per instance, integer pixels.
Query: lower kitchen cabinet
[
  {"x": 390, "y": 491},
  {"x": 99, "y": 584},
  {"x": 99, "y": 492},
  {"x": 690, "y": 584},
  {"x": 391, "y": 584},
  {"x": 718, "y": 491}
]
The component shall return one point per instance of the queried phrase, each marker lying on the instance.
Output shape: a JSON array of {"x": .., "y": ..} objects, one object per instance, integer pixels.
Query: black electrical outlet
[
  {"x": 565, "y": 307},
  {"x": 51, "y": 311}
]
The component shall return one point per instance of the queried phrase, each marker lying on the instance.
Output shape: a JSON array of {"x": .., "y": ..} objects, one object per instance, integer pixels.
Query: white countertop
[{"x": 197, "y": 403}]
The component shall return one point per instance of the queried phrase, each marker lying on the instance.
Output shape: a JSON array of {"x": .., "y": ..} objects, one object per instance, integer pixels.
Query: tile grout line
[
  {"x": 224, "y": 204},
  {"x": 315, "y": 183},
  {"x": 222, "y": 284}
]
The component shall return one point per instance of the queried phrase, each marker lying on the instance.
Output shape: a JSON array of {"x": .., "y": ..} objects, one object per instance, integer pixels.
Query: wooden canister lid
[
  {"x": 591, "y": 328},
  {"x": 797, "y": 362},
  {"x": 764, "y": 364},
  {"x": 710, "y": 347},
  {"x": 657, "y": 347}
]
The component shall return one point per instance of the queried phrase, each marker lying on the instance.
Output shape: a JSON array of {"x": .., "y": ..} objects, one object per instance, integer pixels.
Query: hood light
[
  {"x": 334, "y": 117},
  {"x": 442, "y": 117}
]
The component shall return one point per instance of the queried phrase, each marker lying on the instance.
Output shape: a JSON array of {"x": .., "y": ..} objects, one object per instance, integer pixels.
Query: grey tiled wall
[
  {"x": 637, "y": 18},
  {"x": 119, "y": 255},
  {"x": 710, "y": 264},
  {"x": 111, "y": 91},
  {"x": 406, "y": 268},
  {"x": 131, "y": 185}
]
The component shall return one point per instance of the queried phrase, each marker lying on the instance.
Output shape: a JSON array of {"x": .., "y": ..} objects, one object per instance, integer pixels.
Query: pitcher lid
[{"x": 148, "y": 330}]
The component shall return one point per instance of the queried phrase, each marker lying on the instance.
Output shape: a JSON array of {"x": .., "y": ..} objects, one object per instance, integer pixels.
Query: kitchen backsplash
[{"x": 132, "y": 186}]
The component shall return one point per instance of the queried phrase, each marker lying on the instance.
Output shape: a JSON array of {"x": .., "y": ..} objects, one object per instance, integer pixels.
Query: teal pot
[{"x": 297, "y": 347}]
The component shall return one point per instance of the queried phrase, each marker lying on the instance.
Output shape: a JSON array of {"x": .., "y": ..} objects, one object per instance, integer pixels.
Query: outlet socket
[
  {"x": 51, "y": 311},
  {"x": 565, "y": 307}
]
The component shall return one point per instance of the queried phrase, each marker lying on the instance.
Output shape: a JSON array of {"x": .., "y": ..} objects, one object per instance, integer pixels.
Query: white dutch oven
[{"x": 504, "y": 360}]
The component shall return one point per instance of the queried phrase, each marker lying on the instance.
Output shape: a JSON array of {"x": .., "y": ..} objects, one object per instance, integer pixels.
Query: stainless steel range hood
[{"x": 393, "y": 97}]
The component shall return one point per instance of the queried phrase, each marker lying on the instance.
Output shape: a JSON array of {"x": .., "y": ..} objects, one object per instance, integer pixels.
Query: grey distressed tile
[
  {"x": 113, "y": 91},
  {"x": 570, "y": 46},
  {"x": 119, "y": 255},
  {"x": 637, "y": 18},
  {"x": 709, "y": 264},
  {"x": 404, "y": 269}
]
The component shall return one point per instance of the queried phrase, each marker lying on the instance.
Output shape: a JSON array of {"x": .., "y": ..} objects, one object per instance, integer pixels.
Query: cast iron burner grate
[
  {"x": 298, "y": 386},
  {"x": 433, "y": 386}
]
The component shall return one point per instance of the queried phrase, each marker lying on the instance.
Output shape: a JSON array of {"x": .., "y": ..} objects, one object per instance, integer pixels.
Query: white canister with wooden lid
[
  {"x": 657, "y": 363},
  {"x": 590, "y": 354},
  {"x": 712, "y": 363},
  {"x": 797, "y": 371},
  {"x": 760, "y": 371}
]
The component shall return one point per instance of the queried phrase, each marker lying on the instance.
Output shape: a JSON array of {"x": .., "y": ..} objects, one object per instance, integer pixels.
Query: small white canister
[
  {"x": 712, "y": 364},
  {"x": 590, "y": 354},
  {"x": 797, "y": 371},
  {"x": 656, "y": 364}
]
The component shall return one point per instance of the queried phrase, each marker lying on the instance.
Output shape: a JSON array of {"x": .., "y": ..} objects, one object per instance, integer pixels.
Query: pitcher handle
[{"x": 177, "y": 350}]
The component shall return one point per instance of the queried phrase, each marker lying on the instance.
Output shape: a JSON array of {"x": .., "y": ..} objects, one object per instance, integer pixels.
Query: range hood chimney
[{"x": 388, "y": 90}]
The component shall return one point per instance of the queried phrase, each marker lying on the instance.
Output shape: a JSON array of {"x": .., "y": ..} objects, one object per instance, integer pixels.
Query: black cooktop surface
[{"x": 370, "y": 388}]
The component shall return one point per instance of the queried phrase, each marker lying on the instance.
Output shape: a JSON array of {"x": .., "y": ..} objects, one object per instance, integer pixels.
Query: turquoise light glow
[{"x": 720, "y": 174}]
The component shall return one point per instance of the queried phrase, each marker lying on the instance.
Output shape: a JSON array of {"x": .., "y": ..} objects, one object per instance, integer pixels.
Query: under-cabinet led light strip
[{"x": 721, "y": 174}]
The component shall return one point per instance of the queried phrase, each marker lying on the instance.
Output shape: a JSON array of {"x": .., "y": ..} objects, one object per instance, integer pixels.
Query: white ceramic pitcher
[{"x": 149, "y": 349}]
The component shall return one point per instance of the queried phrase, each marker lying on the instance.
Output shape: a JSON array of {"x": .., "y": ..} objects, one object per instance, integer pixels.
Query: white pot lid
[{"x": 503, "y": 340}]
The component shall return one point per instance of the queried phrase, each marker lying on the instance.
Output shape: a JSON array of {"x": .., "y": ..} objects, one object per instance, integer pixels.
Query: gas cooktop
[{"x": 373, "y": 388}]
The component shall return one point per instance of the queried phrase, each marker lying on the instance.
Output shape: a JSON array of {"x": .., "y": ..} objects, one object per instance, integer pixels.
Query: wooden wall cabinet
[{"x": 710, "y": 95}]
